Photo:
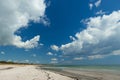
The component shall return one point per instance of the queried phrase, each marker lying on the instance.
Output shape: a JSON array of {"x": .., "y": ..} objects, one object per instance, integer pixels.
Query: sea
[{"x": 98, "y": 68}]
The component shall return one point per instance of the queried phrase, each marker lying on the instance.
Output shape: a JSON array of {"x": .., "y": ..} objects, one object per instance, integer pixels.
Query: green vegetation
[
  {"x": 10, "y": 62},
  {"x": 4, "y": 62}
]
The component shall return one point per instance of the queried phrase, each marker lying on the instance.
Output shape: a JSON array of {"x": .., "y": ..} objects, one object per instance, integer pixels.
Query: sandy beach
[
  {"x": 35, "y": 72},
  {"x": 28, "y": 72}
]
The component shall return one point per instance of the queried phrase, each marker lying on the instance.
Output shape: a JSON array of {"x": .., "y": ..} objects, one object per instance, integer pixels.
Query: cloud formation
[
  {"x": 50, "y": 53},
  {"x": 78, "y": 58},
  {"x": 100, "y": 12},
  {"x": 101, "y": 38},
  {"x": 96, "y": 4},
  {"x": 17, "y": 14},
  {"x": 34, "y": 55},
  {"x": 91, "y": 6},
  {"x": 91, "y": 57},
  {"x": 115, "y": 52},
  {"x": 54, "y": 60},
  {"x": 54, "y": 47},
  {"x": 2, "y": 52}
]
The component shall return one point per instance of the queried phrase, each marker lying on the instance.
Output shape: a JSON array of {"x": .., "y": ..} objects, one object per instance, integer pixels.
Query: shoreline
[
  {"x": 38, "y": 72},
  {"x": 86, "y": 74},
  {"x": 75, "y": 76},
  {"x": 28, "y": 72}
]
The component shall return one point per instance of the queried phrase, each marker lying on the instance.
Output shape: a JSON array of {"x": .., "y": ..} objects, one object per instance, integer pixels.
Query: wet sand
[{"x": 87, "y": 74}]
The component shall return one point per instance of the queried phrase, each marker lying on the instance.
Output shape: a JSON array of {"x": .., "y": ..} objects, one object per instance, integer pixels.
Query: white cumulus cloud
[
  {"x": 16, "y": 14},
  {"x": 54, "y": 60},
  {"x": 100, "y": 38},
  {"x": 54, "y": 47},
  {"x": 26, "y": 61},
  {"x": 94, "y": 4},
  {"x": 78, "y": 58},
  {"x": 100, "y": 12},
  {"x": 95, "y": 57},
  {"x": 50, "y": 53},
  {"x": 97, "y": 3},
  {"x": 116, "y": 52},
  {"x": 91, "y": 6}
]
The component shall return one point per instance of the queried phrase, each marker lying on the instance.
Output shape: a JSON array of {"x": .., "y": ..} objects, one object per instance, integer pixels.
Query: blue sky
[{"x": 60, "y": 31}]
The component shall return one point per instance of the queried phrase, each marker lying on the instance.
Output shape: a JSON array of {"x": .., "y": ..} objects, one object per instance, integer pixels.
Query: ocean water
[
  {"x": 103, "y": 68},
  {"x": 112, "y": 69},
  {"x": 109, "y": 67}
]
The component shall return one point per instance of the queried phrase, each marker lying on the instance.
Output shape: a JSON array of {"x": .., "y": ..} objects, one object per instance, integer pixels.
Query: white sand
[
  {"x": 31, "y": 72},
  {"x": 28, "y": 72}
]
